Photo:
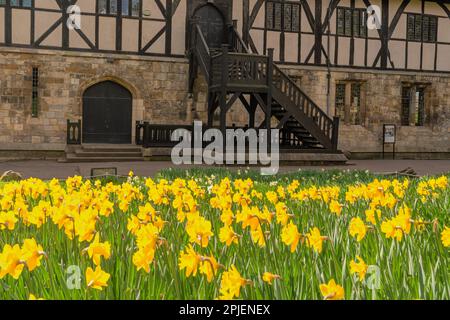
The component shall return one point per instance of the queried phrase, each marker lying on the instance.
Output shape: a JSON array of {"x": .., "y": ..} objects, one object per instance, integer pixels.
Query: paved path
[{"x": 50, "y": 169}]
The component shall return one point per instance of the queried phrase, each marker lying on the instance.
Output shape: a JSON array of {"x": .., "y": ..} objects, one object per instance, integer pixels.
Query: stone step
[
  {"x": 71, "y": 158},
  {"x": 110, "y": 148},
  {"x": 107, "y": 154}
]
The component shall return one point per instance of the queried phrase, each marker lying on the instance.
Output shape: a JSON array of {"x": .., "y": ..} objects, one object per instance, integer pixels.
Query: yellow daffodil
[
  {"x": 315, "y": 239},
  {"x": 209, "y": 267},
  {"x": 11, "y": 261},
  {"x": 336, "y": 207},
  {"x": 445, "y": 237},
  {"x": 199, "y": 231},
  {"x": 190, "y": 261},
  {"x": 332, "y": 291},
  {"x": 8, "y": 220},
  {"x": 269, "y": 277},
  {"x": 231, "y": 284},
  {"x": 290, "y": 236},
  {"x": 97, "y": 249},
  {"x": 359, "y": 267},
  {"x": 228, "y": 236},
  {"x": 32, "y": 254},
  {"x": 357, "y": 229},
  {"x": 97, "y": 279}
]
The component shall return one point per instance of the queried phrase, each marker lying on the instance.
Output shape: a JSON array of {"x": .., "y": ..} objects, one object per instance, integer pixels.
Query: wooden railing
[
  {"x": 239, "y": 69},
  {"x": 73, "y": 132},
  {"x": 236, "y": 43},
  {"x": 289, "y": 88},
  {"x": 139, "y": 136},
  {"x": 159, "y": 136},
  {"x": 201, "y": 50}
]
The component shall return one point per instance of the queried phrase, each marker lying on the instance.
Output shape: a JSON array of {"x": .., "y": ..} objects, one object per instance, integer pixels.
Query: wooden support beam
[
  {"x": 169, "y": 15},
  {"x": 318, "y": 33},
  {"x": 385, "y": 34},
  {"x": 8, "y": 23},
  {"x": 232, "y": 100},
  {"x": 223, "y": 94}
]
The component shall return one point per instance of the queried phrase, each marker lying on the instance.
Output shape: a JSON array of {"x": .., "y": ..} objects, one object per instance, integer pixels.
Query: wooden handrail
[{"x": 236, "y": 39}]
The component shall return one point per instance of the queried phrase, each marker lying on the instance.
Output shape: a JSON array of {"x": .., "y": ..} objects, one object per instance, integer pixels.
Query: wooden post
[
  {"x": 252, "y": 111},
  {"x": 68, "y": 132},
  {"x": 192, "y": 59},
  {"x": 269, "y": 96},
  {"x": 79, "y": 132},
  {"x": 223, "y": 94},
  {"x": 335, "y": 137}
]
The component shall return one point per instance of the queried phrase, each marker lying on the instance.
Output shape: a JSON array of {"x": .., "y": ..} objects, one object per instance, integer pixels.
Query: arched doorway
[
  {"x": 107, "y": 113},
  {"x": 212, "y": 23}
]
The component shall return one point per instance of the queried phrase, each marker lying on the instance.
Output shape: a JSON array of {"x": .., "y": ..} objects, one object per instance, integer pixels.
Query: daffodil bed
[{"x": 201, "y": 235}]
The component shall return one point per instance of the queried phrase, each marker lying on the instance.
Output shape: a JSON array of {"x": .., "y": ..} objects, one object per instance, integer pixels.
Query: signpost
[
  {"x": 389, "y": 137},
  {"x": 103, "y": 172}
]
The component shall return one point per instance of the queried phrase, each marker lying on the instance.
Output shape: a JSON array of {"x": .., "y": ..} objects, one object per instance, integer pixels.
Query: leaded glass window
[
  {"x": 283, "y": 16},
  {"x": 422, "y": 28}
]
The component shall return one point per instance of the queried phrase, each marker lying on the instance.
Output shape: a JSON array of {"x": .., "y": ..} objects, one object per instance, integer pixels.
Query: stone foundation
[{"x": 159, "y": 89}]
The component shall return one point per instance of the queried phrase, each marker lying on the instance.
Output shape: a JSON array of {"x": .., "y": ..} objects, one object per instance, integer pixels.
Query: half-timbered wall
[
  {"x": 300, "y": 31},
  {"x": 317, "y": 40},
  {"x": 44, "y": 26}
]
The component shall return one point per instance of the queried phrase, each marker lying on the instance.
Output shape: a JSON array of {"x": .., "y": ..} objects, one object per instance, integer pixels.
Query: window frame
[
  {"x": 413, "y": 38},
  {"x": 362, "y": 25},
  {"x": 418, "y": 118},
  {"x": 7, "y": 3},
  {"x": 345, "y": 113},
  {"x": 119, "y": 9},
  {"x": 35, "y": 91},
  {"x": 294, "y": 27}
]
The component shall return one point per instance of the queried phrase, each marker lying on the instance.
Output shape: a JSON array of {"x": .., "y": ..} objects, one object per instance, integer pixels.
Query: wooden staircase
[{"x": 255, "y": 80}]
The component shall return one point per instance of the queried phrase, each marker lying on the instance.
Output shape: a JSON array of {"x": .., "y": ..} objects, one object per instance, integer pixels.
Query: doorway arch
[
  {"x": 212, "y": 23},
  {"x": 107, "y": 113}
]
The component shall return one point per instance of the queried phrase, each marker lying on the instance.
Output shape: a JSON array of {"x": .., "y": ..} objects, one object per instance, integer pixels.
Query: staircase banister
[
  {"x": 202, "y": 38},
  {"x": 236, "y": 35},
  {"x": 287, "y": 78},
  {"x": 248, "y": 55}
]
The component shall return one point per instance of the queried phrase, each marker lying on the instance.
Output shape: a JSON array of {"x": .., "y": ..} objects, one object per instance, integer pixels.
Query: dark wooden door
[
  {"x": 107, "y": 108},
  {"x": 212, "y": 24}
]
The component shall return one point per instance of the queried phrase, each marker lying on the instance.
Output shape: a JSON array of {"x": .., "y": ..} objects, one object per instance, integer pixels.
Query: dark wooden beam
[
  {"x": 385, "y": 34},
  {"x": 318, "y": 33},
  {"x": 8, "y": 23},
  {"x": 169, "y": 15}
]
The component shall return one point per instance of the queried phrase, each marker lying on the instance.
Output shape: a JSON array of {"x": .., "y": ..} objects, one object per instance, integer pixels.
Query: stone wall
[
  {"x": 382, "y": 93},
  {"x": 159, "y": 89},
  {"x": 158, "y": 86}
]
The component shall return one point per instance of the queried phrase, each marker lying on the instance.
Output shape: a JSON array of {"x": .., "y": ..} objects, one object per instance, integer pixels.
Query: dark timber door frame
[
  {"x": 225, "y": 7},
  {"x": 213, "y": 25},
  {"x": 107, "y": 113}
]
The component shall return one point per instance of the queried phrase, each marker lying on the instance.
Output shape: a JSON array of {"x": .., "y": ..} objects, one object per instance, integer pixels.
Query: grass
[{"x": 414, "y": 268}]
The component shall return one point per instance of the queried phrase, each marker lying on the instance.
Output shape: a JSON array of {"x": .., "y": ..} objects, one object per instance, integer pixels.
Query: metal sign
[
  {"x": 103, "y": 172},
  {"x": 389, "y": 137},
  {"x": 389, "y": 133}
]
